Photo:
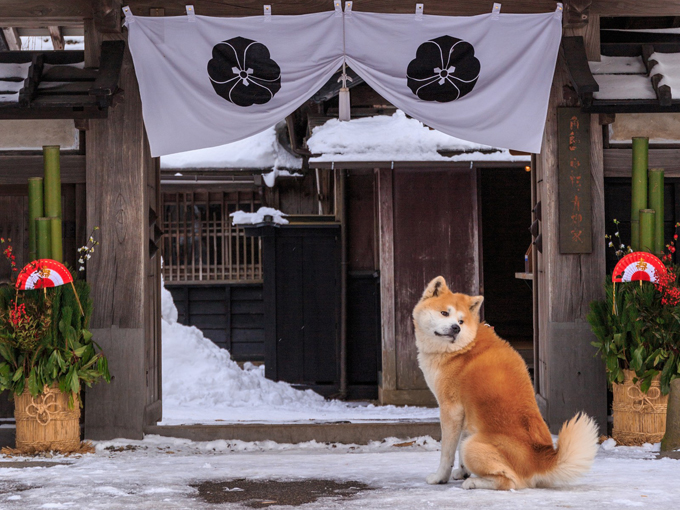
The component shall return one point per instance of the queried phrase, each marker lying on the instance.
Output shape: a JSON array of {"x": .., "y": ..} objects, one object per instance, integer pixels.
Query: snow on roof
[
  {"x": 668, "y": 65},
  {"x": 258, "y": 151},
  {"x": 618, "y": 65},
  {"x": 624, "y": 86},
  {"x": 393, "y": 138},
  {"x": 12, "y": 78}
]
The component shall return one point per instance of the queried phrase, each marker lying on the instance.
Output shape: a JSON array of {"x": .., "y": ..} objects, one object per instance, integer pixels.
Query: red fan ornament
[
  {"x": 44, "y": 274},
  {"x": 637, "y": 266}
]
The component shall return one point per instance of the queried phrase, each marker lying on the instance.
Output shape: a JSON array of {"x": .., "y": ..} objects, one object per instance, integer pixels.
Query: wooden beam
[
  {"x": 16, "y": 168},
  {"x": 4, "y": 46},
  {"x": 618, "y": 162},
  {"x": 12, "y": 38},
  {"x": 29, "y": 13},
  {"x": 57, "y": 37},
  {"x": 582, "y": 79},
  {"x": 618, "y": 8},
  {"x": 107, "y": 15}
]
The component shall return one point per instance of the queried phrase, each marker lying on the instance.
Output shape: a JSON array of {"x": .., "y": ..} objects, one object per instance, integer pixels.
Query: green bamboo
[
  {"x": 647, "y": 229},
  {"x": 639, "y": 187},
  {"x": 35, "y": 210},
  {"x": 656, "y": 203},
  {"x": 52, "y": 182},
  {"x": 56, "y": 249},
  {"x": 42, "y": 228}
]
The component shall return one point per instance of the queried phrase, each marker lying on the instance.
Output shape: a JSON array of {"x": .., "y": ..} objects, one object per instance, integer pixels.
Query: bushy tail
[{"x": 576, "y": 450}]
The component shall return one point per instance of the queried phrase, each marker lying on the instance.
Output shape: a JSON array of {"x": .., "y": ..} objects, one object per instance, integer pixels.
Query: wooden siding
[
  {"x": 232, "y": 316},
  {"x": 200, "y": 242}
]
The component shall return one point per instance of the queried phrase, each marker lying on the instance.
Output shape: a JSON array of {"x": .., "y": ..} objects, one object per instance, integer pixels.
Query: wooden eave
[
  {"x": 77, "y": 94},
  {"x": 573, "y": 50}
]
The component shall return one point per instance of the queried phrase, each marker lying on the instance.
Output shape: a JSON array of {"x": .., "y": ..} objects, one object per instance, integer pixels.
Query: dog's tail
[{"x": 576, "y": 449}]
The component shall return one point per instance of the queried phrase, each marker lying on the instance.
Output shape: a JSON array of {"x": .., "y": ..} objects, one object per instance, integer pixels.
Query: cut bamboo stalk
[
  {"x": 52, "y": 182},
  {"x": 56, "y": 249},
  {"x": 35, "y": 210},
  {"x": 638, "y": 187},
  {"x": 656, "y": 202},
  {"x": 647, "y": 217},
  {"x": 42, "y": 240}
]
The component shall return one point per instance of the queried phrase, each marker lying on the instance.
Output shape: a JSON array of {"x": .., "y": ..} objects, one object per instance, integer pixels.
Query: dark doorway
[{"x": 506, "y": 217}]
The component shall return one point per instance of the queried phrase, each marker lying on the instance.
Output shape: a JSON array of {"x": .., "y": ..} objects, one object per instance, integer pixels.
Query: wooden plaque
[{"x": 575, "y": 218}]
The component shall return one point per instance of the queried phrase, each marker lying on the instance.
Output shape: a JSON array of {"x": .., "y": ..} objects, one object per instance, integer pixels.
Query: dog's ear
[
  {"x": 435, "y": 288},
  {"x": 475, "y": 304}
]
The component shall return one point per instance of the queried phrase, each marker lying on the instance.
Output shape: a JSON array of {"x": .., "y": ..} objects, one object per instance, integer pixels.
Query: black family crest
[
  {"x": 243, "y": 72},
  {"x": 445, "y": 69}
]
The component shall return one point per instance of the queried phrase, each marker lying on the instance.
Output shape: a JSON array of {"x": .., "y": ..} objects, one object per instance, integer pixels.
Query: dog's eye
[
  {"x": 460, "y": 321},
  {"x": 445, "y": 314}
]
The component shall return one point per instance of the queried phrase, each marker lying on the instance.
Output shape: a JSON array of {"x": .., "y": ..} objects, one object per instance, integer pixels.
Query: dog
[{"x": 487, "y": 402}]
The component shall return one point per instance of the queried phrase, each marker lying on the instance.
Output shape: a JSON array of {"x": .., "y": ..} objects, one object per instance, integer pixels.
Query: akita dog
[{"x": 487, "y": 402}]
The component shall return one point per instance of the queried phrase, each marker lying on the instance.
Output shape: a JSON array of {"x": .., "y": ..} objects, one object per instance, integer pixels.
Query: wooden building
[{"x": 115, "y": 184}]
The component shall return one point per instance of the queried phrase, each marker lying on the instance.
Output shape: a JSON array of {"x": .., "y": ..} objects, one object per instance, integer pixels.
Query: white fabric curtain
[
  {"x": 209, "y": 81},
  {"x": 484, "y": 79}
]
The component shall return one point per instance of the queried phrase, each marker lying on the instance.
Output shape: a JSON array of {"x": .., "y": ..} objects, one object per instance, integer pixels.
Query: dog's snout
[{"x": 454, "y": 329}]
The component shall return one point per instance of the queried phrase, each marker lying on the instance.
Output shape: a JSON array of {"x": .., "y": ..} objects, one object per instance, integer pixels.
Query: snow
[
  {"x": 393, "y": 138},
  {"x": 157, "y": 472},
  {"x": 258, "y": 151},
  {"x": 621, "y": 86},
  {"x": 202, "y": 384},
  {"x": 244, "y": 218},
  {"x": 618, "y": 65},
  {"x": 668, "y": 65}
]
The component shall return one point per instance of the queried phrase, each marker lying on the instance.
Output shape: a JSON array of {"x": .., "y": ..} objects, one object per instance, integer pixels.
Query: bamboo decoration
[
  {"x": 52, "y": 194},
  {"x": 56, "y": 249},
  {"x": 43, "y": 243},
  {"x": 52, "y": 181},
  {"x": 639, "y": 188},
  {"x": 656, "y": 202},
  {"x": 647, "y": 217},
  {"x": 35, "y": 210}
]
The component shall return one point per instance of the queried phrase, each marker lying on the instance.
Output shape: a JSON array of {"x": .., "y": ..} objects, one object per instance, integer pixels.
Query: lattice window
[{"x": 201, "y": 244}]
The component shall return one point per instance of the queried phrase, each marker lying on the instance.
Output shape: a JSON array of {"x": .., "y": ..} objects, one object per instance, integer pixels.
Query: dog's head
[{"x": 445, "y": 321}]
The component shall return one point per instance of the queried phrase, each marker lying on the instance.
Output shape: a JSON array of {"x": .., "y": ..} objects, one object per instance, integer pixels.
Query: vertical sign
[{"x": 573, "y": 132}]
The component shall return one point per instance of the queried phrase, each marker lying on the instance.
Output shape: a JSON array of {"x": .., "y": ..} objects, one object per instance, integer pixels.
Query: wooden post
[
  {"x": 571, "y": 377},
  {"x": 388, "y": 380},
  {"x": 123, "y": 280}
]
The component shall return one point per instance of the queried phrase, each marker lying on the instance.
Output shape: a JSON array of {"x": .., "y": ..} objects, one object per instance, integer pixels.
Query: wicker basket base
[
  {"x": 638, "y": 417},
  {"x": 45, "y": 423}
]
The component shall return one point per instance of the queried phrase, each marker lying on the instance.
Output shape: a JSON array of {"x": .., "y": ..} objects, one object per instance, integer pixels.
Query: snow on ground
[
  {"x": 156, "y": 473},
  {"x": 393, "y": 138},
  {"x": 201, "y": 384}
]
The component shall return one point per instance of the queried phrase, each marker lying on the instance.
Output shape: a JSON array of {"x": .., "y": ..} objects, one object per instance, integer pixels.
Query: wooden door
[{"x": 435, "y": 222}]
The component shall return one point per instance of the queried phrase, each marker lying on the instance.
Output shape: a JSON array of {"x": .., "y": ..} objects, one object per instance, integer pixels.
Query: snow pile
[
  {"x": 618, "y": 65},
  {"x": 244, "y": 218},
  {"x": 668, "y": 65},
  {"x": 201, "y": 384},
  {"x": 624, "y": 86},
  {"x": 393, "y": 138},
  {"x": 258, "y": 151}
]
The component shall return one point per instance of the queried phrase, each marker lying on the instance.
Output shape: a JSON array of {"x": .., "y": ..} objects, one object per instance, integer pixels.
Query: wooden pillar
[
  {"x": 388, "y": 378},
  {"x": 122, "y": 187},
  {"x": 570, "y": 377}
]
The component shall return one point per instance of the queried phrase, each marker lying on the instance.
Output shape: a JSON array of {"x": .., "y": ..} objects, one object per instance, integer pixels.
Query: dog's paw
[
  {"x": 460, "y": 474},
  {"x": 470, "y": 484},
  {"x": 436, "y": 478}
]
